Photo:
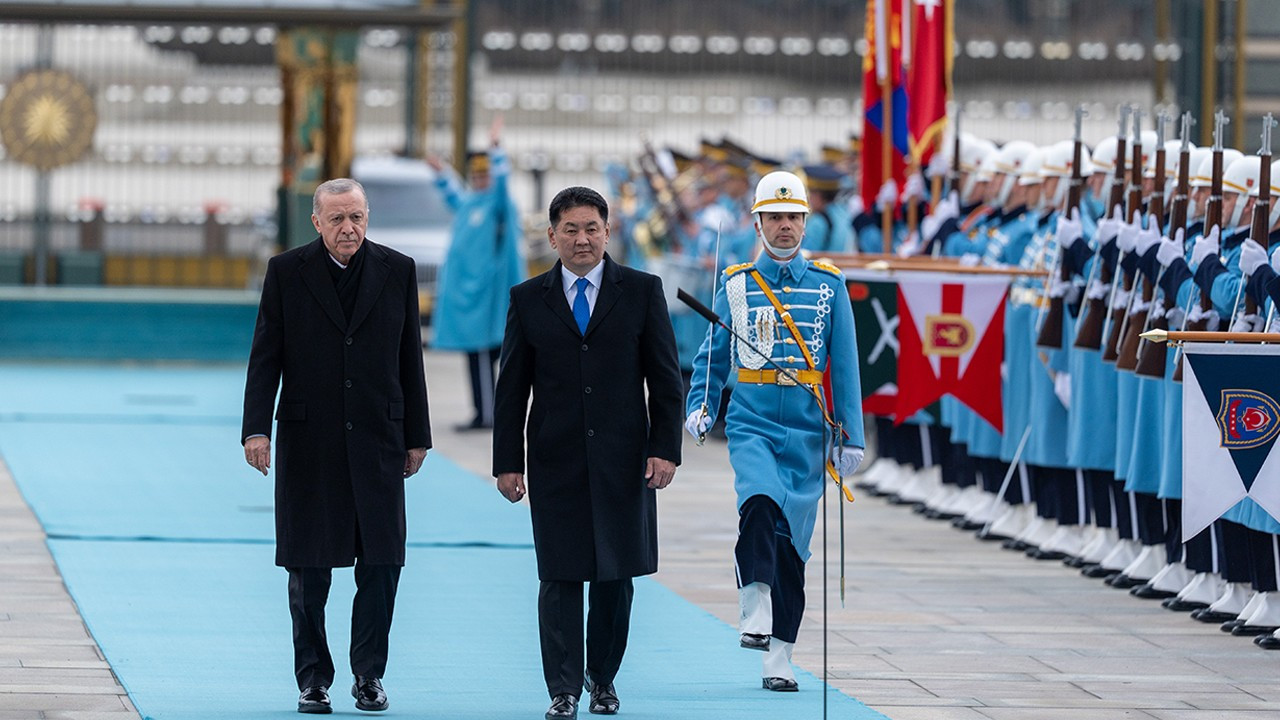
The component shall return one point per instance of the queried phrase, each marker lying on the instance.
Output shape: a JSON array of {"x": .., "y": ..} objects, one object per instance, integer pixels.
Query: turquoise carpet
[{"x": 164, "y": 538}]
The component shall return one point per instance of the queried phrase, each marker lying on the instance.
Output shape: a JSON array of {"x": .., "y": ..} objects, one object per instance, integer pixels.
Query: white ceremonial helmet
[
  {"x": 973, "y": 151},
  {"x": 1240, "y": 178},
  {"x": 780, "y": 191},
  {"x": 987, "y": 168},
  {"x": 1029, "y": 173},
  {"x": 1149, "y": 141},
  {"x": 1057, "y": 160},
  {"x": 1009, "y": 162},
  {"x": 1198, "y": 157},
  {"x": 1104, "y": 156},
  {"x": 1202, "y": 174}
]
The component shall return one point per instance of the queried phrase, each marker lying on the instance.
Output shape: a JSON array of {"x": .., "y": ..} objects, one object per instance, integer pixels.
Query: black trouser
[
  {"x": 1151, "y": 520},
  {"x": 1264, "y": 554},
  {"x": 1197, "y": 553},
  {"x": 482, "y": 365},
  {"x": 765, "y": 554},
  {"x": 370, "y": 622},
  {"x": 560, "y": 632}
]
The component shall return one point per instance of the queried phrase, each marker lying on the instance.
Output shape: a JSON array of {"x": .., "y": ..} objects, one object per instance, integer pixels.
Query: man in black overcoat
[
  {"x": 586, "y": 338},
  {"x": 339, "y": 335}
]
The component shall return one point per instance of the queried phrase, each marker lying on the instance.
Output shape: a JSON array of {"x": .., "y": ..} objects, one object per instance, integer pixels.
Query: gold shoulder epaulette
[
  {"x": 824, "y": 265},
  {"x": 732, "y": 269}
]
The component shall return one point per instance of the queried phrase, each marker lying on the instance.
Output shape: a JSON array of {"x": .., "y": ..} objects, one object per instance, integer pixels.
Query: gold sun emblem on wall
[{"x": 47, "y": 119}]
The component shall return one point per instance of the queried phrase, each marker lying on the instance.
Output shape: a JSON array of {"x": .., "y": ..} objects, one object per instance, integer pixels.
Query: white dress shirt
[{"x": 593, "y": 276}]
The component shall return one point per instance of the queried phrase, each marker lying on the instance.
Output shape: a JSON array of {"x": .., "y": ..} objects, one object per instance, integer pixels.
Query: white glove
[
  {"x": 970, "y": 260},
  {"x": 945, "y": 210},
  {"x": 1070, "y": 229},
  {"x": 939, "y": 165},
  {"x": 856, "y": 206},
  {"x": 888, "y": 195},
  {"x": 1147, "y": 237},
  {"x": 1127, "y": 239},
  {"x": 846, "y": 460},
  {"x": 1062, "y": 388},
  {"x": 1109, "y": 227},
  {"x": 697, "y": 423},
  {"x": 1171, "y": 248},
  {"x": 913, "y": 187},
  {"x": 1252, "y": 257},
  {"x": 1246, "y": 323},
  {"x": 1206, "y": 246}
]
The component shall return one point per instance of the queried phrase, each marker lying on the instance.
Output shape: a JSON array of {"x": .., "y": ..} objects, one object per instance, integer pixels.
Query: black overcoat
[
  {"x": 353, "y": 397},
  {"x": 590, "y": 428}
]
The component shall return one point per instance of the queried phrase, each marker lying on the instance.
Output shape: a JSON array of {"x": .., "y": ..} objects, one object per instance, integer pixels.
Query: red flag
[
  {"x": 951, "y": 342},
  {"x": 883, "y": 63},
  {"x": 928, "y": 74}
]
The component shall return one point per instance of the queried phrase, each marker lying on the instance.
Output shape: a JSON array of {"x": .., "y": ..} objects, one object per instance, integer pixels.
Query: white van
[{"x": 407, "y": 213}]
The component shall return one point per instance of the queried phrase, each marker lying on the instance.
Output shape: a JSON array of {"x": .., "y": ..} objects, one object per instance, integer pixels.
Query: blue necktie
[{"x": 581, "y": 310}]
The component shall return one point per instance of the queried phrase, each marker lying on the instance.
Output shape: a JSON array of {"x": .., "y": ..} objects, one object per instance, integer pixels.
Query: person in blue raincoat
[
  {"x": 482, "y": 265},
  {"x": 796, "y": 314}
]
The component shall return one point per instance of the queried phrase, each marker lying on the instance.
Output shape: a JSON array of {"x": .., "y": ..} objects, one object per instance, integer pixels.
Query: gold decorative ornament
[
  {"x": 47, "y": 119},
  {"x": 782, "y": 193}
]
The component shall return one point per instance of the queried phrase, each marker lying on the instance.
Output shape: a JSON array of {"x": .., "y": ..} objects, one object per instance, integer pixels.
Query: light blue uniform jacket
[{"x": 776, "y": 435}]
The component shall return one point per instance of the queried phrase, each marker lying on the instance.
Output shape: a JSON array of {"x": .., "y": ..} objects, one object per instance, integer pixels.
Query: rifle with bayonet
[
  {"x": 1136, "y": 321},
  {"x": 1152, "y": 356},
  {"x": 1133, "y": 213},
  {"x": 1212, "y": 219},
  {"x": 672, "y": 216},
  {"x": 1260, "y": 232},
  {"x": 1089, "y": 330},
  {"x": 1050, "y": 335}
]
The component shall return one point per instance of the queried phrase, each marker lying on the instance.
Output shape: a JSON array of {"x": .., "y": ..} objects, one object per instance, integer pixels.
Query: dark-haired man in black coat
[
  {"x": 585, "y": 339},
  {"x": 338, "y": 334}
]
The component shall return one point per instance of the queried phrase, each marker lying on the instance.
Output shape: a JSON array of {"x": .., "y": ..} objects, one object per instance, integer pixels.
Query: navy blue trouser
[{"x": 764, "y": 554}]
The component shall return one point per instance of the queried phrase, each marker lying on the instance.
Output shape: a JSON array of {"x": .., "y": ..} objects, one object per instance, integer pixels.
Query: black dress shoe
[
  {"x": 1149, "y": 592},
  {"x": 1230, "y": 625},
  {"x": 563, "y": 707},
  {"x": 1206, "y": 615},
  {"x": 965, "y": 524},
  {"x": 1124, "y": 582},
  {"x": 1267, "y": 642},
  {"x": 474, "y": 425},
  {"x": 604, "y": 699},
  {"x": 1039, "y": 554},
  {"x": 1097, "y": 571},
  {"x": 988, "y": 536},
  {"x": 1246, "y": 630},
  {"x": 315, "y": 701},
  {"x": 369, "y": 694},
  {"x": 752, "y": 641},
  {"x": 778, "y": 684},
  {"x": 1075, "y": 562},
  {"x": 1177, "y": 604}
]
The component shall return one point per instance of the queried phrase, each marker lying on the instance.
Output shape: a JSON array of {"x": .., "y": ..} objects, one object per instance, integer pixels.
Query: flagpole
[{"x": 886, "y": 158}]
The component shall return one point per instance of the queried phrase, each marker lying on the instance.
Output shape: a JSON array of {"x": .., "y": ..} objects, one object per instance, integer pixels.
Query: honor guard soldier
[{"x": 796, "y": 324}]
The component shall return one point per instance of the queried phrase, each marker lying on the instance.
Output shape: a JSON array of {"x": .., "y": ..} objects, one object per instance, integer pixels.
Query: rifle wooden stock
[
  {"x": 1152, "y": 357},
  {"x": 1137, "y": 323},
  {"x": 1212, "y": 218},
  {"x": 1111, "y": 353},
  {"x": 1089, "y": 334},
  {"x": 1051, "y": 329}
]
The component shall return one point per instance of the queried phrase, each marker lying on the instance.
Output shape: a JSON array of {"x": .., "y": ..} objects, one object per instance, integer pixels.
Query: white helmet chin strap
[
  {"x": 1005, "y": 190},
  {"x": 1237, "y": 213}
]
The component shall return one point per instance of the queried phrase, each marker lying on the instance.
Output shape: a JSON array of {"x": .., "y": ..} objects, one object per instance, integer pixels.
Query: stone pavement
[
  {"x": 936, "y": 625},
  {"x": 50, "y": 667}
]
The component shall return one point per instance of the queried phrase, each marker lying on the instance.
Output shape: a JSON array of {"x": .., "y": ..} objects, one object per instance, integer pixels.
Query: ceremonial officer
[
  {"x": 482, "y": 264},
  {"x": 792, "y": 314}
]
